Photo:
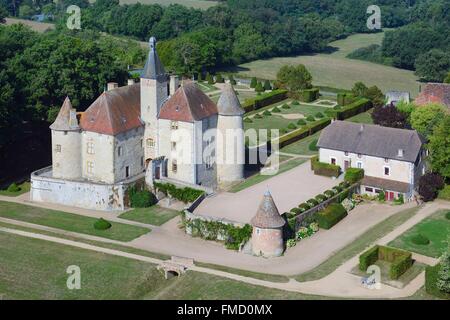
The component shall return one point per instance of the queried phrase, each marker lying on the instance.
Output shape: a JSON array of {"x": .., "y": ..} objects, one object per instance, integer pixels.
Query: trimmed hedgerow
[
  {"x": 313, "y": 145},
  {"x": 264, "y": 100},
  {"x": 310, "y": 95},
  {"x": 304, "y": 206},
  {"x": 350, "y": 110},
  {"x": 321, "y": 198},
  {"x": 324, "y": 169},
  {"x": 368, "y": 258},
  {"x": 301, "y": 133},
  {"x": 353, "y": 175},
  {"x": 185, "y": 194},
  {"x": 331, "y": 215},
  {"x": 345, "y": 98},
  {"x": 313, "y": 202}
]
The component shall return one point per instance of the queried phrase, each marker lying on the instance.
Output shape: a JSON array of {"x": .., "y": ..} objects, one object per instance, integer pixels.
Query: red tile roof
[
  {"x": 114, "y": 111},
  {"x": 434, "y": 93},
  {"x": 188, "y": 104}
]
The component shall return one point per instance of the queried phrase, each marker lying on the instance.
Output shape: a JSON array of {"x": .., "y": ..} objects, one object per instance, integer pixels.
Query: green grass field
[
  {"x": 36, "y": 269},
  {"x": 154, "y": 215},
  {"x": 364, "y": 117},
  {"x": 69, "y": 221},
  {"x": 337, "y": 71},
  {"x": 198, "y": 4},
  {"x": 301, "y": 147},
  {"x": 436, "y": 228}
]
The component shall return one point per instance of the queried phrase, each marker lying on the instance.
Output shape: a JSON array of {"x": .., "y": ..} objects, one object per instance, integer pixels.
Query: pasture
[{"x": 197, "y": 4}]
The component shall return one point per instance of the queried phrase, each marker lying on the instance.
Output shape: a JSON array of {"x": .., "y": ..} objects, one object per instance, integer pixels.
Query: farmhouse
[
  {"x": 155, "y": 129},
  {"x": 392, "y": 159},
  {"x": 434, "y": 93}
]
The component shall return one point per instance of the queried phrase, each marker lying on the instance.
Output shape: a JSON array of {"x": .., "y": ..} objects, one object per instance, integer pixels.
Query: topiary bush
[
  {"x": 267, "y": 113},
  {"x": 310, "y": 118},
  {"x": 312, "y": 202},
  {"x": 301, "y": 122},
  {"x": 331, "y": 215},
  {"x": 296, "y": 211},
  {"x": 141, "y": 198},
  {"x": 258, "y": 116},
  {"x": 330, "y": 193},
  {"x": 295, "y": 103},
  {"x": 304, "y": 206},
  {"x": 285, "y": 106},
  {"x": 248, "y": 120},
  {"x": 313, "y": 145},
  {"x": 447, "y": 215},
  {"x": 420, "y": 240},
  {"x": 292, "y": 126},
  {"x": 13, "y": 187},
  {"x": 102, "y": 224},
  {"x": 276, "y": 109},
  {"x": 324, "y": 169},
  {"x": 321, "y": 198},
  {"x": 319, "y": 115}
]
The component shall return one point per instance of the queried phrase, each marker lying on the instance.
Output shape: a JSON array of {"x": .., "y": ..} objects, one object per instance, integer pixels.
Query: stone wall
[{"x": 267, "y": 242}]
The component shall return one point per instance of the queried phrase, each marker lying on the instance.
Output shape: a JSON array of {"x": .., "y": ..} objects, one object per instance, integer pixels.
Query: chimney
[
  {"x": 73, "y": 121},
  {"x": 400, "y": 153},
  {"x": 130, "y": 82},
  {"x": 112, "y": 85},
  {"x": 174, "y": 84}
]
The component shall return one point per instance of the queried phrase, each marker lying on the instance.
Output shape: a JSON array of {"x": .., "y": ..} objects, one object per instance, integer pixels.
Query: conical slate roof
[
  {"x": 228, "y": 104},
  {"x": 153, "y": 68},
  {"x": 267, "y": 216},
  {"x": 64, "y": 121}
]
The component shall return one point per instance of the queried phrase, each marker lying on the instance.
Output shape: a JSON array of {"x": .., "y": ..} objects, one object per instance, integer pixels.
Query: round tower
[
  {"x": 267, "y": 236},
  {"x": 230, "y": 140},
  {"x": 66, "y": 143}
]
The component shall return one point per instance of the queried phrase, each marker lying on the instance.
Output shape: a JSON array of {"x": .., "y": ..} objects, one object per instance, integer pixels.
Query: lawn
[
  {"x": 436, "y": 228},
  {"x": 301, "y": 147},
  {"x": 36, "y": 269},
  {"x": 154, "y": 215},
  {"x": 364, "y": 117},
  {"x": 24, "y": 187},
  {"x": 257, "y": 178},
  {"x": 335, "y": 70},
  {"x": 357, "y": 246},
  {"x": 69, "y": 221}
]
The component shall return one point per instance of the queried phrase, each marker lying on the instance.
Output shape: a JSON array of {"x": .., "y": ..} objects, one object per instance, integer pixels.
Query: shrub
[
  {"x": 209, "y": 78},
  {"x": 301, "y": 122},
  {"x": 285, "y": 106},
  {"x": 368, "y": 258},
  {"x": 142, "y": 198},
  {"x": 232, "y": 81},
  {"x": 310, "y": 118},
  {"x": 321, "y": 198},
  {"x": 313, "y": 145},
  {"x": 310, "y": 95},
  {"x": 304, "y": 206},
  {"x": 237, "y": 235},
  {"x": 324, "y": 169},
  {"x": 354, "y": 175},
  {"x": 331, "y": 215},
  {"x": 219, "y": 78},
  {"x": 329, "y": 193},
  {"x": 259, "y": 87},
  {"x": 348, "y": 204},
  {"x": 443, "y": 281},
  {"x": 337, "y": 107},
  {"x": 264, "y": 100},
  {"x": 267, "y": 113},
  {"x": 445, "y": 193},
  {"x": 185, "y": 194},
  {"x": 13, "y": 187},
  {"x": 429, "y": 186},
  {"x": 312, "y": 202},
  {"x": 296, "y": 211},
  {"x": 420, "y": 240},
  {"x": 102, "y": 224},
  {"x": 292, "y": 126},
  {"x": 431, "y": 281},
  {"x": 447, "y": 215},
  {"x": 319, "y": 115},
  {"x": 258, "y": 116},
  {"x": 337, "y": 189},
  {"x": 291, "y": 243},
  {"x": 295, "y": 103},
  {"x": 248, "y": 120},
  {"x": 253, "y": 83},
  {"x": 344, "y": 184},
  {"x": 276, "y": 109},
  {"x": 267, "y": 85},
  {"x": 400, "y": 199},
  {"x": 382, "y": 196}
]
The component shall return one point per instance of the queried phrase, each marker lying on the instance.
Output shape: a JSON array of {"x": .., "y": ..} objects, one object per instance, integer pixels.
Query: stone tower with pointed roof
[
  {"x": 66, "y": 143},
  {"x": 230, "y": 138},
  {"x": 267, "y": 237},
  {"x": 154, "y": 92}
]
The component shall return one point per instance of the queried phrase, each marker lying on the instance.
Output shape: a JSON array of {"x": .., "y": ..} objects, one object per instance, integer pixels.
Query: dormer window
[
  {"x": 346, "y": 153},
  {"x": 386, "y": 160},
  {"x": 400, "y": 153}
]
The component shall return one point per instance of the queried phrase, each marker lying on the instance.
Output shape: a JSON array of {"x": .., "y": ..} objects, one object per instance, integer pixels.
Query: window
[
  {"x": 150, "y": 142},
  {"x": 90, "y": 148},
  {"x": 377, "y": 191},
  {"x": 119, "y": 151},
  {"x": 174, "y": 125},
  {"x": 58, "y": 148},
  {"x": 368, "y": 189},
  {"x": 127, "y": 172},
  {"x": 174, "y": 166},
  {"x": 258, "y": 231},
  {"x": 90, "y": 167},
  {"x": 333, "y": 161},
  {"x": 174, "y": 146},
  {"x": 387, "y": 171},
  {"x": 359, "y": 155},
  {"x": 359, "y": 165},
  {"x": 346, "y": 153},
  {"x": 386, "y": 160}
]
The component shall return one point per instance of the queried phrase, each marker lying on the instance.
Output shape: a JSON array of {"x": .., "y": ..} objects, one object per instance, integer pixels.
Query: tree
[
  {"x": 3, "y": 14},
  {"x": 209, "y": 78},
  {"x": 429, "y": 186},
  {"x": 447, "y": 79},
  {"x": 219, "y": 78},
  {"x": 433, "y": 65},
  {"x": 375, "y": 95},
  {"x": 425, "y": 118},
  {"x": 443, "y": 281},
  {"x": 405, "y": 108},
  {"x": 359, "y": 89},
  {"x": 267, "y": 85},
  {"x": 25, "y": 11},
  {"x": 253, "y": 83},
  {"x": 439, "y": 147},
  {"x": 389, "y": 116},
  {"x": 294, "y": 78},
  {"x": 232, "y": 81},
  {"x": 259, "y": 87}
]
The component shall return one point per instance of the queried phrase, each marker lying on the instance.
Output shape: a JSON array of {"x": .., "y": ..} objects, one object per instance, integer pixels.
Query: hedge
[
  {"x": 185, "y": 194},
  {"x": 264, "y": 100},
  {"x": 324, "y": 169},
  {"x": 353, "y": 175},
  {"x": 309, "y": 95},
  {"x": 368, "y": 258},
  {"x": 302, "y": 133},
  {"x": 350, "y": 110},
  {"x": 431, "y": 278},
  {"x": 331, "y": 215},
  {"x": 345, "y": 98}
]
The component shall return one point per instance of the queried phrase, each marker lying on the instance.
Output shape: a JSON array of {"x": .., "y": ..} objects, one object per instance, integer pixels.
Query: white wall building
[
  {"x": 392, "y": 159},
  {"x": 157, "y": 129}
]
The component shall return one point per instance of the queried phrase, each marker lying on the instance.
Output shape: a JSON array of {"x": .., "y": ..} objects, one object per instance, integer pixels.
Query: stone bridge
[{"x": 176, "y": 266}]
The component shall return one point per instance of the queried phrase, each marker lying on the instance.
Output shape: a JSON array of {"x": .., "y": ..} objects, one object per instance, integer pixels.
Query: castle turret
[
  {"x": 66, "y": 143},
  {"x": 154, "y": 92},
  {"x": 267, "y": 237},
  {"x": 230, "y": 140}
]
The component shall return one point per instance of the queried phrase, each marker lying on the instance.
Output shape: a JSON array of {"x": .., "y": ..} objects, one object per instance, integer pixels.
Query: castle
[{"x": 154, "y": 130}]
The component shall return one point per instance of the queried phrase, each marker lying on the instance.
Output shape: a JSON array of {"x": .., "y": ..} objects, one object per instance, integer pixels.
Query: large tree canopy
[
  {"x": 294, "y": 78},
  {"x": 439, "y": 146},
  {"x": 425, "y": 118}
]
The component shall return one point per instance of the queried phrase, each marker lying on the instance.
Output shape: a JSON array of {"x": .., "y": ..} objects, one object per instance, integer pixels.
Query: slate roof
[
  {"x": 385, "y": 184},
  {"x": 372, "y": 140},
  {"x": 188, "y": 104},
  {"x": 267, "y": 216},
  {"x": 153, "y": 68},
  {"x": 114, "y": 111},
  {"x": 228, "y": 104},
  {"x": 64, "y": 121},
  {"x": 434, "y": 93}
]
